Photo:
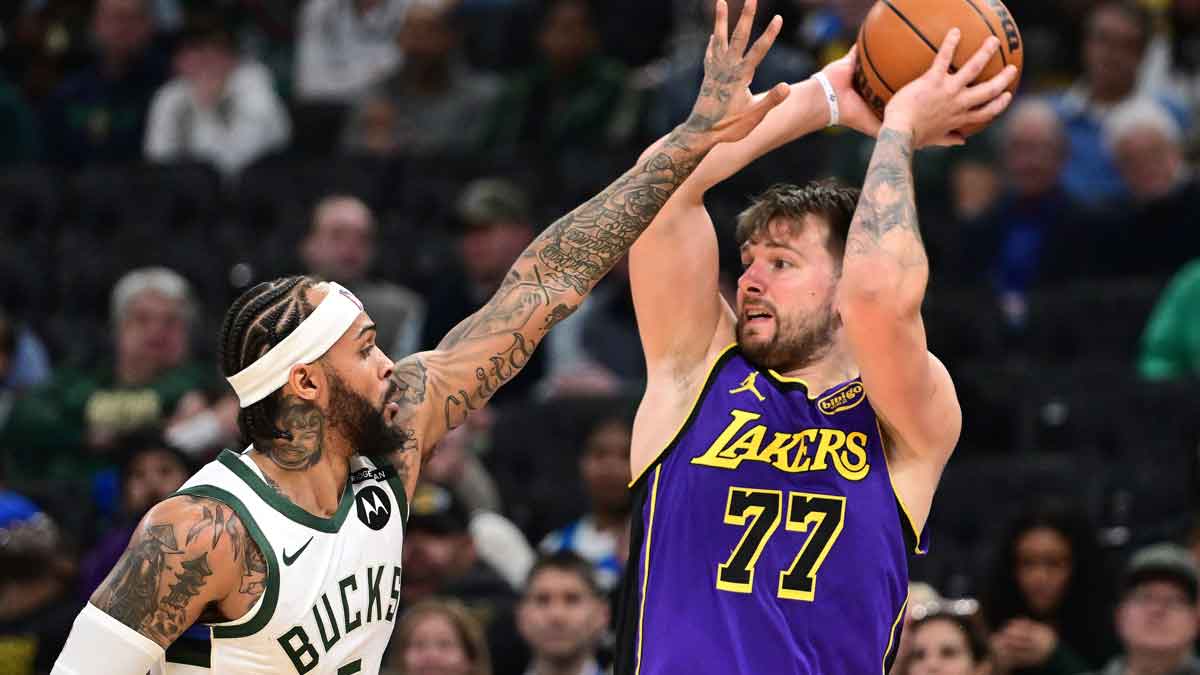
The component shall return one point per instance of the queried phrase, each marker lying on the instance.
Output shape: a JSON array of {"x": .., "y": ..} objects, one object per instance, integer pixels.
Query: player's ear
[{"x": 306, "y": 381}]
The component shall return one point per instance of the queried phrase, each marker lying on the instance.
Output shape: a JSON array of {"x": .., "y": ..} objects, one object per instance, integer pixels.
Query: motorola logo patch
[{"x": 373, "y": 506}]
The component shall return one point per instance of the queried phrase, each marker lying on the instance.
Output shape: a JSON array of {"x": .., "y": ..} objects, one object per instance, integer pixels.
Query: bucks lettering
[
  {"x": 813, "y": 449},
  {"x": 358, "y": 600}
]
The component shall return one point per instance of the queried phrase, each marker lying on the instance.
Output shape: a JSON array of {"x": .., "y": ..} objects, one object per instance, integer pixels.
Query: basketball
[{"x": 899, "y": 39}]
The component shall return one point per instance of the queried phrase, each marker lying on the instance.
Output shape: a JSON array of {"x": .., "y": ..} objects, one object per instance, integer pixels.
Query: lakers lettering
[
  {"x": 357, "y": 607},
  {"x": 817, "y": 449}
]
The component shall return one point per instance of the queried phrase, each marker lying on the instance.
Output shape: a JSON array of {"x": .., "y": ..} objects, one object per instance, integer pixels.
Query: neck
[
  {"x": 569, "y": 665},
  {"x": 830, "y": 368},
  {"x": 1156, "y": 663},
  {"x": 311, "y": 468},
  {"x": 135, "y": 372},
  {"x": 1106, "y": 96},
  {"x": 610, "y": 520}
]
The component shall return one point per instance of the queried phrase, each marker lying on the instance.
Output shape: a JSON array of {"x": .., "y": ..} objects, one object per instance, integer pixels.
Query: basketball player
[
  {"x": 287, "y": 553},
  {"x": 785, "y": 456}
]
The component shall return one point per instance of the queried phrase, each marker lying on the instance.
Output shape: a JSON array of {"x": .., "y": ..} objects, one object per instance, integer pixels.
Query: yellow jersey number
[{"x": 759, "y": 511}]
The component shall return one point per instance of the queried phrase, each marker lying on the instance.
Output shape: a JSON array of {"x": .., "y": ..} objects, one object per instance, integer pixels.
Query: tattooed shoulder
[{"x": 187, "y": 554}]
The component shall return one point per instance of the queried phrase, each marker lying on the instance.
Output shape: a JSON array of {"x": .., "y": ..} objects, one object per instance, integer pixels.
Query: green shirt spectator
[{"x": 1171, "y": 343}]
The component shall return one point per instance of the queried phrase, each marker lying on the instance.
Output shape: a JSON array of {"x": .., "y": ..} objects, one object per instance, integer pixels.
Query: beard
[
  {"x": 795, "y": 343},
  {"x": 360, "y": 422}
]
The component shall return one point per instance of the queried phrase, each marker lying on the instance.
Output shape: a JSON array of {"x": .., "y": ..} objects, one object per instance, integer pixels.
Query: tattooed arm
[
  {"x": 548, "y": 281},
  {"x": 189, "y": 558},
  {"x": 885, "y": 271}
]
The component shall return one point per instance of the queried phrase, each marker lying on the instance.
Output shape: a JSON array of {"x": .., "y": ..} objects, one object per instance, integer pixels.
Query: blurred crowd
[{"x": 157, "y": 157}]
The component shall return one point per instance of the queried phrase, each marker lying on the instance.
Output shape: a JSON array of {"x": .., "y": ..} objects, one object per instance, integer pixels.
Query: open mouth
[{"x": 758, "y": 316}]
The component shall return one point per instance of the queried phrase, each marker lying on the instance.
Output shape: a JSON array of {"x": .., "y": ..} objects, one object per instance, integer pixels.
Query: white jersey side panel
[{"x": 333, "y": 584}]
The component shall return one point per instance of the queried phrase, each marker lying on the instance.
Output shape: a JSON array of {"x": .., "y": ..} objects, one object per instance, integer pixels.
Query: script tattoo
[
  {"x": 305, "y": 423},
  {"x": 887, "y": 202}
]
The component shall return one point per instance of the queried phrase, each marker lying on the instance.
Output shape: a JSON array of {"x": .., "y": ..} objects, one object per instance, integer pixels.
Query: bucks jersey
[
  {"x": 333, "y": 584},
  {"x": 766, "y": 537}
]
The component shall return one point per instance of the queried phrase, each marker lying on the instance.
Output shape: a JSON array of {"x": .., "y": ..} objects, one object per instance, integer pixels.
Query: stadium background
[{"x": 200, "y": 137}]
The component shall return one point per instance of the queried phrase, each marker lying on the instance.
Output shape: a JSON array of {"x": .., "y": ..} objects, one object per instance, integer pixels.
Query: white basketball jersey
[{"x": 333, "y": 584}]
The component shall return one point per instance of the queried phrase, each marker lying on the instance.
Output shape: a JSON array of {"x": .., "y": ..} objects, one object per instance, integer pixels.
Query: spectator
[
  {"x": 24, "y": 362},
  {"x": 570, "y": 97},
  {"x": 601, "y": 536},
  {"x": 1147, "y": 145},
  {"x": 441, "y": 558},
  {"x": 946, "y": 641},
  {"x": 563, "y": 615},
  {"x": 99, "y": 114},
  {"x": 70, "y": 428},
  {"x": 1171, "y": 342},
  {"x": 1172, "y": 62},
  {"x": 343, "y": 47},
  {"x": 922, "y": 599},
  {"x": 494, "y": 227},
  {"x": 340, "y": 246},
  {"x": 438, "y": 637},
  {"x": 36, "y": 606},
  {"x": 150, "y": 470},
  {"x": 1045, "y": 603},
  {"x": 433, "y": 101},
  {"x": 220, "y": 108},
  {"x": 1157, "y": 619},
  {"x": 1115, "y": 40}
]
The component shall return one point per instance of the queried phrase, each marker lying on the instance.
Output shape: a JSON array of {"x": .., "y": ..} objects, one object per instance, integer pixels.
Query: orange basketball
[{"x": 899, "y": 38}]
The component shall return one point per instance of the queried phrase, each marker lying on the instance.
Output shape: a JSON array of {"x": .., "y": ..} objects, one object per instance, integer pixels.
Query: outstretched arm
[
  {"x": 885, "y": 269},
  {"x": 441, "y": 387},
  {"x": 674, "y": 266}
]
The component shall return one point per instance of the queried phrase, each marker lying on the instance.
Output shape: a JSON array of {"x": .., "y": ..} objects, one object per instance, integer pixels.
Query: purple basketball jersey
[{"x": 767, "y": 537}]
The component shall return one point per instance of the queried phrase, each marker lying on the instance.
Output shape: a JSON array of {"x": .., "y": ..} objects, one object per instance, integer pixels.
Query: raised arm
[
  {"x": 548, "y": 281},
  {"x": 188, "y": 556},
  {"x": 674, "y": 266},
  {"x": 885, "y": 269}
]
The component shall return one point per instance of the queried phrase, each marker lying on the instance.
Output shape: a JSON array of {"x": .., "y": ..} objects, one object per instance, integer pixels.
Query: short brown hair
[
  {"x": 828, "y": 199},
  {"x": 470, "y": 632}
]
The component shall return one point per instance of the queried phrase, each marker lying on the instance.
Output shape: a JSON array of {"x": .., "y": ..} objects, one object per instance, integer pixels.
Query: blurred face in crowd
[
  {"x": 427, "y": 35},
  {"x": 1157, "y": 617},
  {"x": 560, "y": 617},
  {"x": 341, "y": 244},
  {"x": 1149, "y": 161},
  {"x": 488, "y": 250},
  {"x": 1043, "y": 568},
  {"x": 786, "y": 293},
  {"x": 1035, "y": 149},
  {"x": 940, "y": 647},
  {"x": 153, "y": 333},
  {"x": 605, "y": 466},
  {"x": 568, "y": 35},
  {"x": 1112, "y": 52},
  {"x": 435, "y": 648},
  {"x": 432, "y": 560},
  {"x": 152, "y": 475},
  {"x": 207, "y": 63},
  {"x": 122, "y": 28}
]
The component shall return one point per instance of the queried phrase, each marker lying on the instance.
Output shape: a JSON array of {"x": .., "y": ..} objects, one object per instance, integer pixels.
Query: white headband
[{"x": 311, "y": 339}]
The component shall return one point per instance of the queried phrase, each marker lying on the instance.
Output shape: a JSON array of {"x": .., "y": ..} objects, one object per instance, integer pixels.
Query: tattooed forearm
[
  {"x": 305, "y": 425},
  {"x": 888, "y": 203}
]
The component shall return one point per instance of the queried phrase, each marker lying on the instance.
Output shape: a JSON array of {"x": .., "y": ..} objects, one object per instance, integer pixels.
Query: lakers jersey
[
  {"x": 333, "y": 584},
  {"x": 767, "y": 537}
]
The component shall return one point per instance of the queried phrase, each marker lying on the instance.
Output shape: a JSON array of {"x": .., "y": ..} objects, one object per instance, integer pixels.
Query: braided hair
[{"x": 257, "y": 321}]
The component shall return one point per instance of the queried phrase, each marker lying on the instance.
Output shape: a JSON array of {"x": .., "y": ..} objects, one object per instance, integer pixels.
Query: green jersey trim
[
  {"x": 283, "y": 505},
  {"x": 271, "y": 595}
]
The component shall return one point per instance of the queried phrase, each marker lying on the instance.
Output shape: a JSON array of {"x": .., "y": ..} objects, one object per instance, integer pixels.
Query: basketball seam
[
  {"x": 913, "y": 27},
  {"x": 867, "y": 56},
  {"x": 1003, "y": 58}
]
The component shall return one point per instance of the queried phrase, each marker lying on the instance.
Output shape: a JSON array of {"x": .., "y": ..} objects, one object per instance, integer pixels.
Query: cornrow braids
[{"x": 257, "y": 321}]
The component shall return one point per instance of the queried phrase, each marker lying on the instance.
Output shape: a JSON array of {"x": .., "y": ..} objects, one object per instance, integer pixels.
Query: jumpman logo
[{"x": 748, "y": 385}]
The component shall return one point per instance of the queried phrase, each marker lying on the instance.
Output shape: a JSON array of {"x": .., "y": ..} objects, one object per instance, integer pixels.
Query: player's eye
[
  {"x": 780, "y": 263},
  {"x": 366, "y": 351}
]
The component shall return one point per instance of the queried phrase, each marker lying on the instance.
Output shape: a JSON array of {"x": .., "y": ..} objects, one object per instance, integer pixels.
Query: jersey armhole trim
[
  {"x": 912, "y": 534},
  {"x": 270, "y": 596},
  {"x": 893, "y": 646},
  {"x": 393, "y": 480},
  {"x": 713, "y": 371}
]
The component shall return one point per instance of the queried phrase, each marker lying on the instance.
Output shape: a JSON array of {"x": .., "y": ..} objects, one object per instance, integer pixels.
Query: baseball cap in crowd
[
  {"x": 436, "y": 510},
  {"x": 486, "y": 201},
  {"x": 1162, "y": 562}
]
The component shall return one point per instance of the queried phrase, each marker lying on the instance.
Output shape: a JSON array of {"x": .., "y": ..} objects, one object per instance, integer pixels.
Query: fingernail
[{"x": 954, "y": 32}]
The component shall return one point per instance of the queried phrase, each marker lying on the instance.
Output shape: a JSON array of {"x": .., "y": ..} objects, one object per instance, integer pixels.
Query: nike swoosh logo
[{"x": 289, "y": 559}]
